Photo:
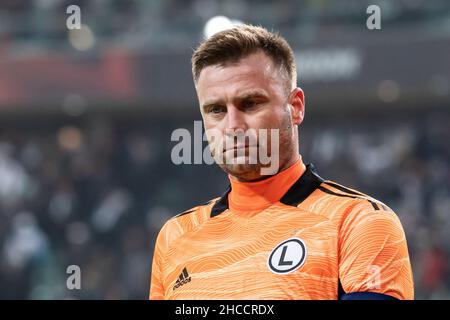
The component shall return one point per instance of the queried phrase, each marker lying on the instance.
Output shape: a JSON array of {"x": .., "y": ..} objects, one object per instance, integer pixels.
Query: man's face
[{"x": 236, "y": 101}]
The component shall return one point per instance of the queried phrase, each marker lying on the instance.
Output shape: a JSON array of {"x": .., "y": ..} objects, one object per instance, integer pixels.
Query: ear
[{"x": 297, "y": 101}]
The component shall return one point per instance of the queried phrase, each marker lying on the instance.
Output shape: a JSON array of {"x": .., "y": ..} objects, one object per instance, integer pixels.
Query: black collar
[{"x": 298, "y": 192}]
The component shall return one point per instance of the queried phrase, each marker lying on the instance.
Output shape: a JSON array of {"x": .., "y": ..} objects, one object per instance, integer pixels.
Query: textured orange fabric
[
  {"x": 334, "y": 239},
  {"x": 252, "y": 197}
]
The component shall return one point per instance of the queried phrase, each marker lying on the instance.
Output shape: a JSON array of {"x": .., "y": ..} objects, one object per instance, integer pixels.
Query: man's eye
[
  {"x": 249, "y": 104},
  {"x": 216, "y": 109}
]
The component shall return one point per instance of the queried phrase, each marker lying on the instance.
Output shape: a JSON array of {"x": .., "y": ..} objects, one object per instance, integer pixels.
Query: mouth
[{"x": 240, "y": 147}]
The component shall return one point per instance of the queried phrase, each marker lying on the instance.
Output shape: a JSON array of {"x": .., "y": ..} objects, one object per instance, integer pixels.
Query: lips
[{"x": 239, "y": 147}]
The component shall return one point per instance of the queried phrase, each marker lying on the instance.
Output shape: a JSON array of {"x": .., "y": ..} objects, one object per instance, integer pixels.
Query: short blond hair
[{"x": 233, "y": 44}]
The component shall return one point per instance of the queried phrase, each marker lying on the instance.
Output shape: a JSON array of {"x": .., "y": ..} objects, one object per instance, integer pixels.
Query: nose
[{"x": 235, "y": 120}]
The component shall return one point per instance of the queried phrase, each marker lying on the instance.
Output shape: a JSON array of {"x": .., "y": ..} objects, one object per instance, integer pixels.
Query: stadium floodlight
[
  {"x": 217, "y": 24},
  {"x": 82, "y": 39}
]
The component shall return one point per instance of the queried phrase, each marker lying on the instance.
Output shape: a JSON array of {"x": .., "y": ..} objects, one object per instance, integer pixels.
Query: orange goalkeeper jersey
[{"x": 291, "y": 236}]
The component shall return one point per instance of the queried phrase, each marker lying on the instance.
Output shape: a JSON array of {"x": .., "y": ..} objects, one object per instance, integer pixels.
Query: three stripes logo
[{"x": 182, "y": 279}]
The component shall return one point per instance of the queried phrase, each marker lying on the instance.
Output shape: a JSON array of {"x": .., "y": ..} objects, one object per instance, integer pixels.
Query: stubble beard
[{"x": 252, "y": 170}]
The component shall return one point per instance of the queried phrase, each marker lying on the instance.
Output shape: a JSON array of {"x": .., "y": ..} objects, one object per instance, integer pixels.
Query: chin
[{"x": 243, "y": 171}]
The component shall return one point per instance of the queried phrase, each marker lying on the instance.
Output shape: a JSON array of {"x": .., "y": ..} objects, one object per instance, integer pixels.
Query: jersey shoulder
[
  {"x": 338, "y": 193},
  {"x": 356, "y": 212},
  {"x": 317, "y": 195},
  {"x": 186, "y": 221},
  {"x": 337, "y": 202}
]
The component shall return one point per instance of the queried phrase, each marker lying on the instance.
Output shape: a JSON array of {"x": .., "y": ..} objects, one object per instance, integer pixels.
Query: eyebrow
[
  {"x": 252, "y": 94},
  {"x": 246, "y": 95}
]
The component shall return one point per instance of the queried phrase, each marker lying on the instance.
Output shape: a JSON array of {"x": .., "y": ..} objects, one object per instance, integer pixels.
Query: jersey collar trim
[
  {"x": 297, "y": 193},
  {"x": 303, "y": 187}
]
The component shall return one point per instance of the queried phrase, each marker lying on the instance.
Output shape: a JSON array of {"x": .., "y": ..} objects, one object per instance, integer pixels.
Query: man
[{"x": 285, "y": 235}]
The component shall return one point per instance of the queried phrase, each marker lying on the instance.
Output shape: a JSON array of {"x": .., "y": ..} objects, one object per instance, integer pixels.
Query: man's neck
[
  {"x": 252, "y": 197},
  {"x": 282, "y": 167}
]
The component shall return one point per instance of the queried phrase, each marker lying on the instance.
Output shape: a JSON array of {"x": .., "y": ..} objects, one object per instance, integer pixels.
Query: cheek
[
  {"x": 211, "y": 124},
  {"x": 271, "y": 118},
  {"x": 272, "y": 123},
  {"x": 281, "y": 121},
  {"x": 214, "y": 136}
]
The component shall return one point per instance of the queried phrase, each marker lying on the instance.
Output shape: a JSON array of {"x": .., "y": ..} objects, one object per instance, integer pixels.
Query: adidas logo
[{"x": 182, "y": 279}]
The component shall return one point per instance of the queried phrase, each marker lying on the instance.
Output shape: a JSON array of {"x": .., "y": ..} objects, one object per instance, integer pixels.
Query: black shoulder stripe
[
  {"x": 335, "y": 193},
  {"x": 344, "y": 189},
  {"x": 374, "y": 205}
]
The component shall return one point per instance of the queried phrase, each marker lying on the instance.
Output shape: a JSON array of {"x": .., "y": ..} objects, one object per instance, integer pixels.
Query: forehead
[{"x": 254, "y": 71}]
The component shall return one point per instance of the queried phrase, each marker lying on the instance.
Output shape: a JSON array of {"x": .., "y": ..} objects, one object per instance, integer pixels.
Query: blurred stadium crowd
[
  {"x": 173, "y": 22},
  {"x": 92, "y": 186},
  {"x": 95, "y": 194}
]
